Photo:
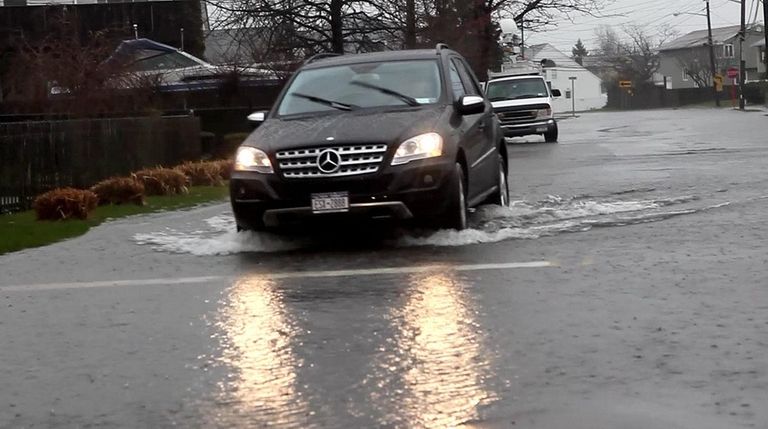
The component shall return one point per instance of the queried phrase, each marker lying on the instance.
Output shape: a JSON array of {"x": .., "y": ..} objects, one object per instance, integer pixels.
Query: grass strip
[{"x": 22, "y": 231}]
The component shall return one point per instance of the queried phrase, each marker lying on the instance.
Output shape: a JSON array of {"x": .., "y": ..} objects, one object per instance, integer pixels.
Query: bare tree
[
  {"x": 695, "y": 63},
  {"x": 633, "y": 55},
  {"x": 62, "y": 74},
  {"x": 311, "y": 26}
]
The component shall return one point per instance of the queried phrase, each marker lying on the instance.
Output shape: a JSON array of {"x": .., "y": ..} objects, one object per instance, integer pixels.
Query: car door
[{"x": 478, "y": 142}]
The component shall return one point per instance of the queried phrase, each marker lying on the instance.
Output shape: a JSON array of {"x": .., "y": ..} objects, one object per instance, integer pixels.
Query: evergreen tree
[{"x": 579, "y": 52}]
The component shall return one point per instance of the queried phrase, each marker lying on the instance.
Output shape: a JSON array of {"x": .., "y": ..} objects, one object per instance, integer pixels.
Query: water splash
[{"x": 488, "y": 224}]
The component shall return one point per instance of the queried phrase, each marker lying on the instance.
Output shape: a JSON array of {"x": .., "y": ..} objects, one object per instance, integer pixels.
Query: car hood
[
  {"x": 369, "y": 126},
  {"x": 521, "y": 102}
]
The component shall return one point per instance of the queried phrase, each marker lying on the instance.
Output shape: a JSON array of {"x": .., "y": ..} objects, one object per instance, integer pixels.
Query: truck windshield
[{"x": 516, "y": 89}]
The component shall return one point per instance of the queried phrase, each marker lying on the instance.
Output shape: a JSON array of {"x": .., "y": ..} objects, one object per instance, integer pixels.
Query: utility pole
[
  {"x": 522, "y": 38},
  {"x": 712, "y": 67},
  {"x": 742, "y": 64},
  {"x": 765, "y": 34},
  {"x": 410, "y": 24}
]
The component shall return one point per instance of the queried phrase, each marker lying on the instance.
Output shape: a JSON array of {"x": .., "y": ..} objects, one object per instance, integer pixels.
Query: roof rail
[
  {"x": 320, "y": 56},
  {"x": 441, "y": 46}
]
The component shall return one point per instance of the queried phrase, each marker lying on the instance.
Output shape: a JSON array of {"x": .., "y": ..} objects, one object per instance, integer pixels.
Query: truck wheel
[
  {"x": 500, "y": 197},
  {"x": 455, "y": 215},
  {"x": 551, "y": 135}
]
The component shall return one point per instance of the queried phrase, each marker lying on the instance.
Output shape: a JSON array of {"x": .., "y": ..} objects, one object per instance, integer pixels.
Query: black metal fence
[
  {"x": 37, "y": 156},
  {"x": 652, "y": 97}
]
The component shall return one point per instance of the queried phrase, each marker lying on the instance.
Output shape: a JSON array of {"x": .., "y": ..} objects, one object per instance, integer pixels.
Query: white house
[{"x": 559, "y": 68}]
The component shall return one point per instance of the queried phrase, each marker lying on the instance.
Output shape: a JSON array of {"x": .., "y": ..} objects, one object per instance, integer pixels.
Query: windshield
[
  {"x": 397, "y": 83},
  {"x": 517, "y": 89}
]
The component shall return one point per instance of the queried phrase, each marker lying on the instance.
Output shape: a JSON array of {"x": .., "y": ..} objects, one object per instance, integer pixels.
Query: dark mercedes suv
[{"x": 401, "y": 135}]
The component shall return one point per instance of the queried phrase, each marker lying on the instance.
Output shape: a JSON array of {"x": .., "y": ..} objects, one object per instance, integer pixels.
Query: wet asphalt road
[{"x": 626, "y": 288}]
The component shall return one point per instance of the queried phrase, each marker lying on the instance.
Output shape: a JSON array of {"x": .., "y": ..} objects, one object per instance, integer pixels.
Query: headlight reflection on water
[
  {"x": 439, "y": 355},
  {"x": 257, "y": 349}
]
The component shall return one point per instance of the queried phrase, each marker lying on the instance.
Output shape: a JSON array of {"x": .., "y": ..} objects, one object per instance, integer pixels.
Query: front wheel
[
  {"x": 501, "y": 196},
  {"x": 455, "y": 215},
  {"x": 551, "y": 135}
]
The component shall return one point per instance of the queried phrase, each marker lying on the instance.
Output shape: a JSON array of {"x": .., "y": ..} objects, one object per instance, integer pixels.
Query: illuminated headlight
[
  {"x": 424, "y": 146},
  {"x": 544, "y": 113},
  {"x": 252, "y": 159}
]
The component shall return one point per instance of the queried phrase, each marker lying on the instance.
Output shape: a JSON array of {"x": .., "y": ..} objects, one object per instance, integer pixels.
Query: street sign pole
[{"x": 573, "y": 95}]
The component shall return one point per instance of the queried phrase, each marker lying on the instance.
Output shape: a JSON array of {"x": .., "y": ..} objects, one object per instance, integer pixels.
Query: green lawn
[{"x": 21, "y": 230}]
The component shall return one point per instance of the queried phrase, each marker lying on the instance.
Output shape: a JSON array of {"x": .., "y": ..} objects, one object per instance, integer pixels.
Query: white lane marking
[{"x": 277, "y": 276}]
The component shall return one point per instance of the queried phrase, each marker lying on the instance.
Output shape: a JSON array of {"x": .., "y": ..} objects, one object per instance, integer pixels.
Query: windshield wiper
[
  {"x": 330, "y": 103},
  {"x": 527, "y": 96},
  {"x": 404, "y": 98}
]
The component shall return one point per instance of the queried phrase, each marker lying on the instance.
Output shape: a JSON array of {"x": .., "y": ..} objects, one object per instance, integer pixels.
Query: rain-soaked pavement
[{"x": 626, "y": 288}]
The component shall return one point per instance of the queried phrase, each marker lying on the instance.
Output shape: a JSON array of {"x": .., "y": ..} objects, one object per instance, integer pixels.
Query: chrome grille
[{"x": 355, "y": 160}]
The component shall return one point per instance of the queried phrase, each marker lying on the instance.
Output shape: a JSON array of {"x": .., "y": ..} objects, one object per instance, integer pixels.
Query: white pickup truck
[{"x": 523, "y": 104}]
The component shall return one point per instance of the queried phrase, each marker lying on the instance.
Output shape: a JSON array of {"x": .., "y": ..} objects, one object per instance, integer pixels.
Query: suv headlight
[
  {"x": 423, "y": 146},
  {"x": 544, "y": 113},
  {"x": 252, "y": 159}
]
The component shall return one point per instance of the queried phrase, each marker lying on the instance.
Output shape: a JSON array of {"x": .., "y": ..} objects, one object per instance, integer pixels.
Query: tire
[
  {"x": 551, "y": 135},
  {"x": 455, "y": 215},
  {"x": 501, "y": 196},
  {"x": 249, "y": 221}
]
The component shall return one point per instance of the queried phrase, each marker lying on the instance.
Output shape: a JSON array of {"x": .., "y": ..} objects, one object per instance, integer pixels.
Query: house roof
[
  {"x": 758, "y": 44},
  {"x": 549, "y": 52},
  {"x": 699, "y": 38}
]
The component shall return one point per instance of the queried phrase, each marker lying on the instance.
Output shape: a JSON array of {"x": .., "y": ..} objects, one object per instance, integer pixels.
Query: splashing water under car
[{"x": 488, "y": 224}]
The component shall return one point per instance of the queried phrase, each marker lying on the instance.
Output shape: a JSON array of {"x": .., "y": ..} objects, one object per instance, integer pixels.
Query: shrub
[
  {"x": 225, "y": 168},
  {"x": 65, "y": 203},
  {"x": 162, "y": 181},
  {"x": 119, "y": 190},
  {"x": 206, "y": 173}
]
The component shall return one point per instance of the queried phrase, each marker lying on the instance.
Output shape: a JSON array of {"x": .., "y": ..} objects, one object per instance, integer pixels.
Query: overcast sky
[{"x": 650, "y": 14}]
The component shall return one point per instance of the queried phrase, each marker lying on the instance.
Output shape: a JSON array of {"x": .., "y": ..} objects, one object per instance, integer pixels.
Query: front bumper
[
  {"x": 538, "y": 127},
  {"x": 414, "y": 190}
]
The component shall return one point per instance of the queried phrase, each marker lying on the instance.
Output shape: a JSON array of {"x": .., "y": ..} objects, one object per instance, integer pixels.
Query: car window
[
  {"x": 517, "y": 89},
  {"x": 366, "y": 85},
  {"x": 470, "y": 85},
  {"x": 458, "y": 87}
]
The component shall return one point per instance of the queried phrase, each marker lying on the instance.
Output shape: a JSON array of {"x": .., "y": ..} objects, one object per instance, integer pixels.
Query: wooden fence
[{"x": 37, "y": 156}]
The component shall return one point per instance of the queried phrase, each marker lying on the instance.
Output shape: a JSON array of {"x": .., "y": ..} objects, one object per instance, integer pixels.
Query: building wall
[{"x": 586, "y": 88}]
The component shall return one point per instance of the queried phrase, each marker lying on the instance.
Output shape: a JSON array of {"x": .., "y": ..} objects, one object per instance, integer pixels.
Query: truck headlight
[
  {"x": 544, "y": 113},
  {"x": 252, "y": 159},
  {"x": 423, "y": 146}
]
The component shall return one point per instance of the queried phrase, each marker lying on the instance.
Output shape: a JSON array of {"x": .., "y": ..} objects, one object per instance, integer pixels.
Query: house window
[
  {"x": 728, "y": 51},
  {"x": 685, "y": 75},
  {"x": 553, "y": 74}
]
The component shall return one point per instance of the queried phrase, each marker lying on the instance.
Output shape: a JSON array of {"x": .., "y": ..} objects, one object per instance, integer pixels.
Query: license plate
[
  {"x": 335, "y": 202},
  {"x": 541, "y": 130}
]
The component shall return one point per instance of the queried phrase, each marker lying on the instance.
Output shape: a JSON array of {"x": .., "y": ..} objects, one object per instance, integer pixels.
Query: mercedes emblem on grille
[{"x": 329, "y": 161}]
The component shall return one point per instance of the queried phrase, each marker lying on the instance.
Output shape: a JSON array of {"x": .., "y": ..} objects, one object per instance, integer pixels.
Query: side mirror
[
  {"x": 556, "y": 93},
  {"x": 257, "y": 118},
  {"x": 471, "y": 105}
]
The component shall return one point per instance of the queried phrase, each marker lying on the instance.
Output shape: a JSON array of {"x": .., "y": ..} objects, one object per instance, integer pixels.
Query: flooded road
[{"x": 624, "y": 287}]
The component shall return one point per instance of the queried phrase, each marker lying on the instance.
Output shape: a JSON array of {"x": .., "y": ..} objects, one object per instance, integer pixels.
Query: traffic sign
[
  {"x": 625, "y": 84},
  {"x": 733, "y": 73}
]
